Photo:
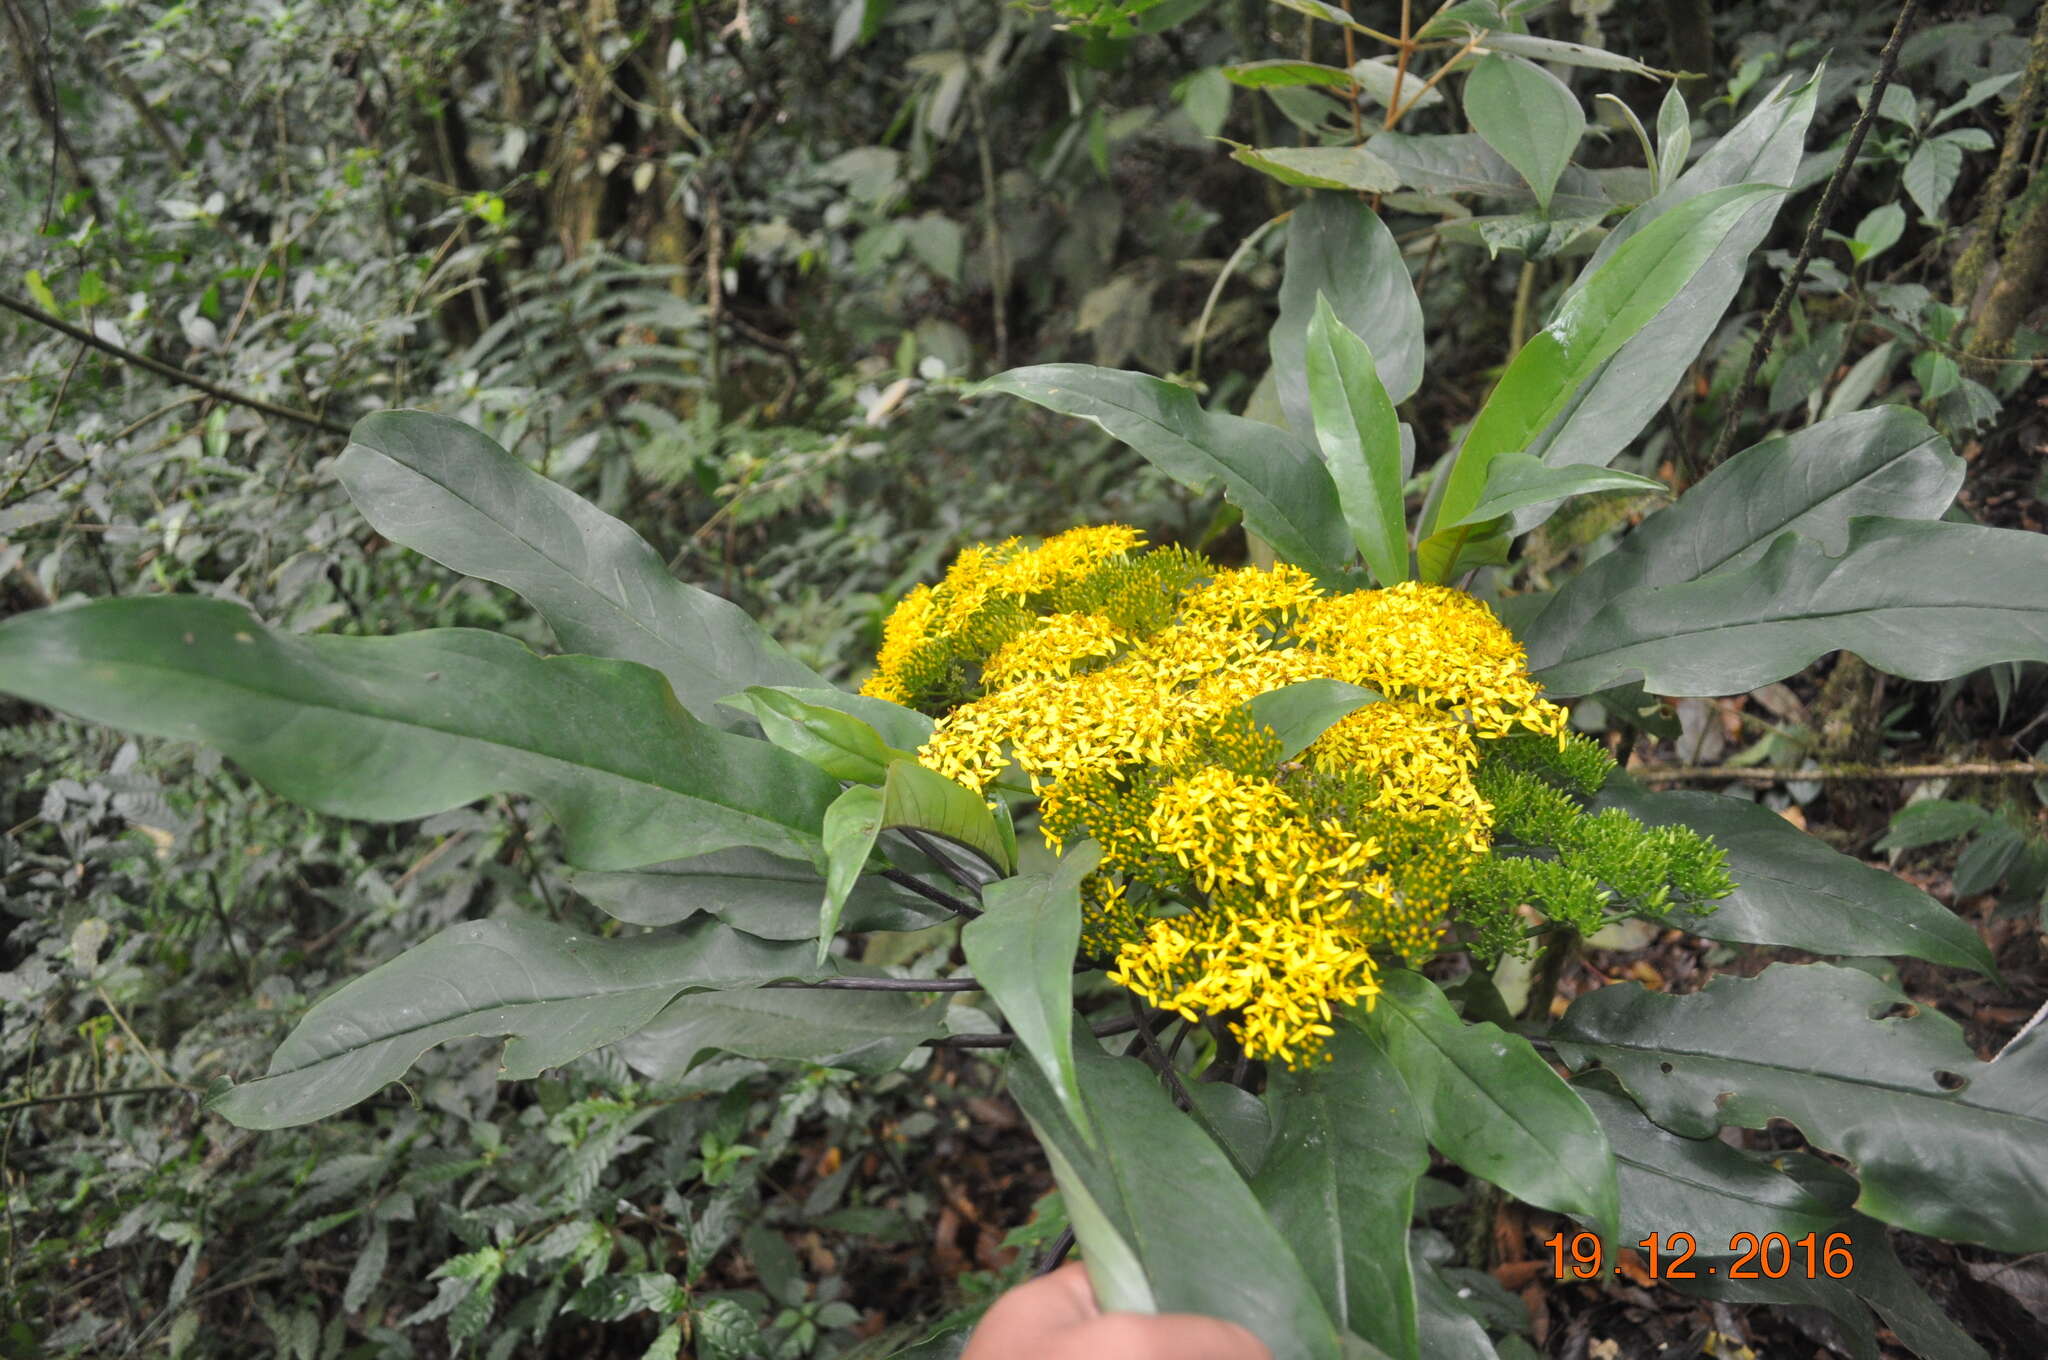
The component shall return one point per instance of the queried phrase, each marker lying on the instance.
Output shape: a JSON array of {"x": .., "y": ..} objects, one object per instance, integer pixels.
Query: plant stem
[
  {"x": 169, "y": 371},
  {"x": 27, "y": 1102},
  {"x": 1887, "y": 64},
  {"x": 1559, "y": 952},
  {"x": 1707, "y": 774}
]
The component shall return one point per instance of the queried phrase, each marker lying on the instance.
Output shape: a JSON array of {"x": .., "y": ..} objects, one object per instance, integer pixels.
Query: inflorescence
[{"x": 1233, "y": 881}]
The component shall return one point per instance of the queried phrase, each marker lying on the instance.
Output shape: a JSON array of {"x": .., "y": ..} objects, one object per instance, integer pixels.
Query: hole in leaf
[
  {"x": 1896, "y": 1010},
  {"x": 1950, "y": 1081},
  {"x": 1665, "y": 1068}
]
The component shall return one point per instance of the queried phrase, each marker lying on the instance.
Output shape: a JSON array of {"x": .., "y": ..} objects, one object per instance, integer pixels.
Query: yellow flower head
[{"x": 1231, "y": 882}]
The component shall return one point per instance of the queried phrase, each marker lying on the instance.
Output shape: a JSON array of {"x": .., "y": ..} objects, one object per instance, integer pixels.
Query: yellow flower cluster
[{"x": 1230, "y": 881}]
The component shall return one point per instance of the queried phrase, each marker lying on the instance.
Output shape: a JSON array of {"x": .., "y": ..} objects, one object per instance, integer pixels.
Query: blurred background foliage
[{"x": 718, "y": 266}]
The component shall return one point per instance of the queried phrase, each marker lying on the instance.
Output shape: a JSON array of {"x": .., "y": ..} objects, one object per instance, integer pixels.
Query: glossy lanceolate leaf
[
  {"x": 436, "y": 485},
  {"x": 1925, "y": 600},
  {"x": 759, "y": 893},
  {"x": 1886, "y": 461},
  {"x": 1942, "y": 1144},
  {"x": 1276, "y": 479},
  {"x": 1021, "y": 950},
  {"x": 555, "y": 993},
  {"x": 390, "y": 728},
  {"x": 838, "y": 743},
  {"x": 1615, "y": 301},
  {"x": 1491, "y": 1104},
  {"x": 1339, "y": 249},
  {"x": 1361, "y": 441},
  {"x": 1339, "y": 1182},
  {"x": 1609, "y": 408},
  {"x": 1517, "y": 481},
  {"x": 1792, "y": 891},
  {"x": 1199, "y": 1235}
]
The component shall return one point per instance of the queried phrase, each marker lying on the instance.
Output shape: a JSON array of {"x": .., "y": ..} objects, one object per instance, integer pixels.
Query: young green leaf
[
  {"x": 1361, "y": 439},
  {"x": 1516, "y": 481},
  {"x": 1529, "y": 116},
  {"x": 838, "y": 743},
  {"x": 911, "y": 797},
  {"x": 1277, "y": 479},
  {"x": 1614, "y": 303},
  {"x": 1674, "y": 138},
  {"x": 1320, "y": 167},
  {"x": 1612, "y": 405}
]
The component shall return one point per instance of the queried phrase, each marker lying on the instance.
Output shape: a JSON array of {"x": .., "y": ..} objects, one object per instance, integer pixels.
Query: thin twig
[
  {"x": 1105, "y": 1030},
  {"x": 1887, "y": 64},
  {"x": 1394, "y": 116},
  {"x": 1707, "y": 774},
  {"x": 1222, "y": 277},
  {"x": 28, "y": 1101},
  {"x": 168, "y": 371}
]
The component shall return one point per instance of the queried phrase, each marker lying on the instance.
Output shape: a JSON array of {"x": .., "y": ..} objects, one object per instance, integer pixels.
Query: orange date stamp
[{"x": 1669, "y": 1256}]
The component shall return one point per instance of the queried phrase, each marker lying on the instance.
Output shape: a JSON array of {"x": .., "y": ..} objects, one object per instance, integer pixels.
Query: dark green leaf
[
  {"x": 1987, "y": 859},
  {"x": 1339, "y": 249},
  {"x": 1361, "y": 439},
  {"x": 1347, "y": 1149},
  {"x": 1299, "y": 713},
  {"x": 391, "y": 728},
  {"x": 1276, "y": 479},
  {"x": 555, "y": 993},
  {"x": 1491, "y": 1104},
  {"x": 446, "y": 490},
  {"x": 1886, "y": 461},
  {"x": 1201, "y": 1237},
  {"x": 1926, "y": 601},
  {"x": 1021, "y": 950},
  {"x": 1793, "y": 891},
  {"x": 1529, "y": 116},
  {"x": 1942, "y": 1143},
  {"x": 859, "y": 1030},
  {"x": 761, "y": 894}
]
